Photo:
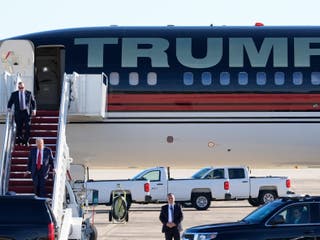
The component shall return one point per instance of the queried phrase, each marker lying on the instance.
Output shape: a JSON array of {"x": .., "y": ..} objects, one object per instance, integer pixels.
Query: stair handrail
[
  {"x": 9, "y": 135},
  {"x": 62, "y": 159},
  {"x": 8, "y": 142},
  {"x": 106, "y": 82}
]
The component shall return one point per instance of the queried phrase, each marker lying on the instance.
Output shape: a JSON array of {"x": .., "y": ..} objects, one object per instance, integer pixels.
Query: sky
[{"x": 19, "y": 17}]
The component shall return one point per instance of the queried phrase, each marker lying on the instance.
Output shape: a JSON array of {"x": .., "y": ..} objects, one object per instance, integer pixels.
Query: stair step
[
  {"x": 19, "y": 168},
  {"x": 43, "y": 134},
  {"x": 44, "y": 120},
  {"x": 19, "y": 158},
  {"x": 27, "y": 182},
  {"x": 27, "y": 149},
  {"x": 21, "y": 148},
  {"x": 16, "y": 175},
  {"x": 27, "y": 189},
  {"x": 47, "y": 113},
  {"x": 17, "y": 154},
  {"x": 20, "y": 161},
  {"x": 24, "y": 155},
  {"x": 46, "y": 141},
  {"x": 45, "y": 127}
]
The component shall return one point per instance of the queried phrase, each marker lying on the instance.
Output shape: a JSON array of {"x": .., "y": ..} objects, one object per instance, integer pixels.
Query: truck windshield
[
  {"x": 260, "y": 213},
  {"x": 201, "y": 173}
]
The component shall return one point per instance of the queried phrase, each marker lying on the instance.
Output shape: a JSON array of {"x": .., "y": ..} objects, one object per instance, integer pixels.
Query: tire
[
  {"x": 254, "y": 202},
  {"x": 201, "y": 201},
  {"x": 110, "y": 216},
  {"x": 267, "y": 196}
]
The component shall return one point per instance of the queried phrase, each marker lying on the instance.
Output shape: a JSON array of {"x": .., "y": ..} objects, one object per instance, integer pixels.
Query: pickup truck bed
[{"x": 26, "y": 217}]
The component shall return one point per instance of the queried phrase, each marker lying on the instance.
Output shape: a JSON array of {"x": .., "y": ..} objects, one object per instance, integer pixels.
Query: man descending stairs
[{"x": 43, "y": 125}]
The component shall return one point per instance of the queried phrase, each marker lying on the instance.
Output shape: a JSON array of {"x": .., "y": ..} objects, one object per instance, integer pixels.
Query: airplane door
[
  {"x": 49, "y": 70},
  {"x": 17, "y": 63}
]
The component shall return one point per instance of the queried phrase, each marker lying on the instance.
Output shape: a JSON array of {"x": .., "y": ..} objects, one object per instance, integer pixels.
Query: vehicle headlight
[{"x": 207, "y": 236}]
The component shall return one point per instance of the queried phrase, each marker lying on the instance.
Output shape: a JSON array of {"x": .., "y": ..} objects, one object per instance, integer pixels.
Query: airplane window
[
  {"x": 133, "y": 78},
  {"x": 206, "y": 78},
  {"x": 152, "y": 78},
  {"x": 279, "y": 78},
  {"x": 261, "y": 78},
  {"x": 297, "y": 78},
  {"x": 243, "y": 78},
  {"x": 315, "y": 78},
  {"x": 188, "y": 78},
  {"x": 224, "y": 78},
  {"x": 114, "y": 78}
]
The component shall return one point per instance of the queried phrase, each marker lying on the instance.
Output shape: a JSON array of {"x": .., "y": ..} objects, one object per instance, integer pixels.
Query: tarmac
[{"x": 144, "y": 219}]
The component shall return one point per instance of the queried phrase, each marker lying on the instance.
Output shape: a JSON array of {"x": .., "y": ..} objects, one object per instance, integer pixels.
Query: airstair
[
  {"x": 44, "y": 125},
  {"x": 51, "y": 126}
]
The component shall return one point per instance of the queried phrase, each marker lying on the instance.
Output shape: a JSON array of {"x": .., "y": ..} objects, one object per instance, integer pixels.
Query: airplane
[{"x": 184, "y": 97}]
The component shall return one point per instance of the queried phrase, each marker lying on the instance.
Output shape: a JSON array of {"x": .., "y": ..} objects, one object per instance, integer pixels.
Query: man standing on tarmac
[{"x": 171, "y": 216}]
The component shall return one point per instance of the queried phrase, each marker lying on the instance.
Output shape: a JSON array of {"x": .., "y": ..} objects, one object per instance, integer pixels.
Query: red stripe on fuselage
[{"x": 213, "y": 102}]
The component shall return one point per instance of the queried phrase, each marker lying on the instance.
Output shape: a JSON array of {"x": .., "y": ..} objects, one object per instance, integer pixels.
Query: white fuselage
[{"x": 196, "y": 143}]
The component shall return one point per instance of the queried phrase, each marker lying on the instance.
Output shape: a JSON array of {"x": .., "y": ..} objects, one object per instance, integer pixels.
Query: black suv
[
  {"x": 282, "y": 219},
  {"x": 26, "y": 217}
]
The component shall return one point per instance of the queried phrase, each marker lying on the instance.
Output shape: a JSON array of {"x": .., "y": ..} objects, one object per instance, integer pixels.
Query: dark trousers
[
  {"x": 39, "y": 184},
  {"x": 22, "y": 119},
  {"x": 172, "y": 233}
]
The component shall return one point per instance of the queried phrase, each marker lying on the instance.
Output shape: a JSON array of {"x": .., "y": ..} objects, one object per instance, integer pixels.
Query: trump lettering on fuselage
[{"x": 271, "y": 49}]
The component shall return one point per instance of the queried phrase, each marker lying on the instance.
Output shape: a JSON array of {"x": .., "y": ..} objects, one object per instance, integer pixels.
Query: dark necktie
[
  {"x": 39, "y": 161},
  {"x": 171, "y": 212},
  {"x": 21, "y": 101}
]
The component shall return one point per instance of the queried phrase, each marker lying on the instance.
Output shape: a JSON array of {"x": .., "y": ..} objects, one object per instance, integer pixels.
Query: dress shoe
[{"x": 19, "y": 141}]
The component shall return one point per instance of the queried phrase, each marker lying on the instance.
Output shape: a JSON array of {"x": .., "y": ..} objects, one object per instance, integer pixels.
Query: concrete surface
[{"x": 144, "y": 219}]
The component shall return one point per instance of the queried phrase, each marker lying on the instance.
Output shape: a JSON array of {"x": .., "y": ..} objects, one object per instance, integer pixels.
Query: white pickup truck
[
  {"x": 258, "y": 190},
  {"x": 222, "y": 183}
]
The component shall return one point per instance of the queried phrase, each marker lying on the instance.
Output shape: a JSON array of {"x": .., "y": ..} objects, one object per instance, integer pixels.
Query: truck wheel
[
  {"x": 267, "y": 196},
  {"x": 201, "y": 201},
  {"x": 254, "y": 202}
]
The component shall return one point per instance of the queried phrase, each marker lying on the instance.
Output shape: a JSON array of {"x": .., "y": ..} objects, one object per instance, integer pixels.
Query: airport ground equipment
[{"x": 119, "y": 209}]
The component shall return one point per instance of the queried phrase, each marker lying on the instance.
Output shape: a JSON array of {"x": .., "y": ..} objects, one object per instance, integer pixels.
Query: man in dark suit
[
  {"x": 39, "y": 163},
  {"x": 24, "y": 106},
  {"x": 171, "y": 216}
]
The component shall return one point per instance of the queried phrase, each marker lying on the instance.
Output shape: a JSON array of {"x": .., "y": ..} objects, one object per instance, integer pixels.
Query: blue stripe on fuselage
[{"x": 172, "y": 51}]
